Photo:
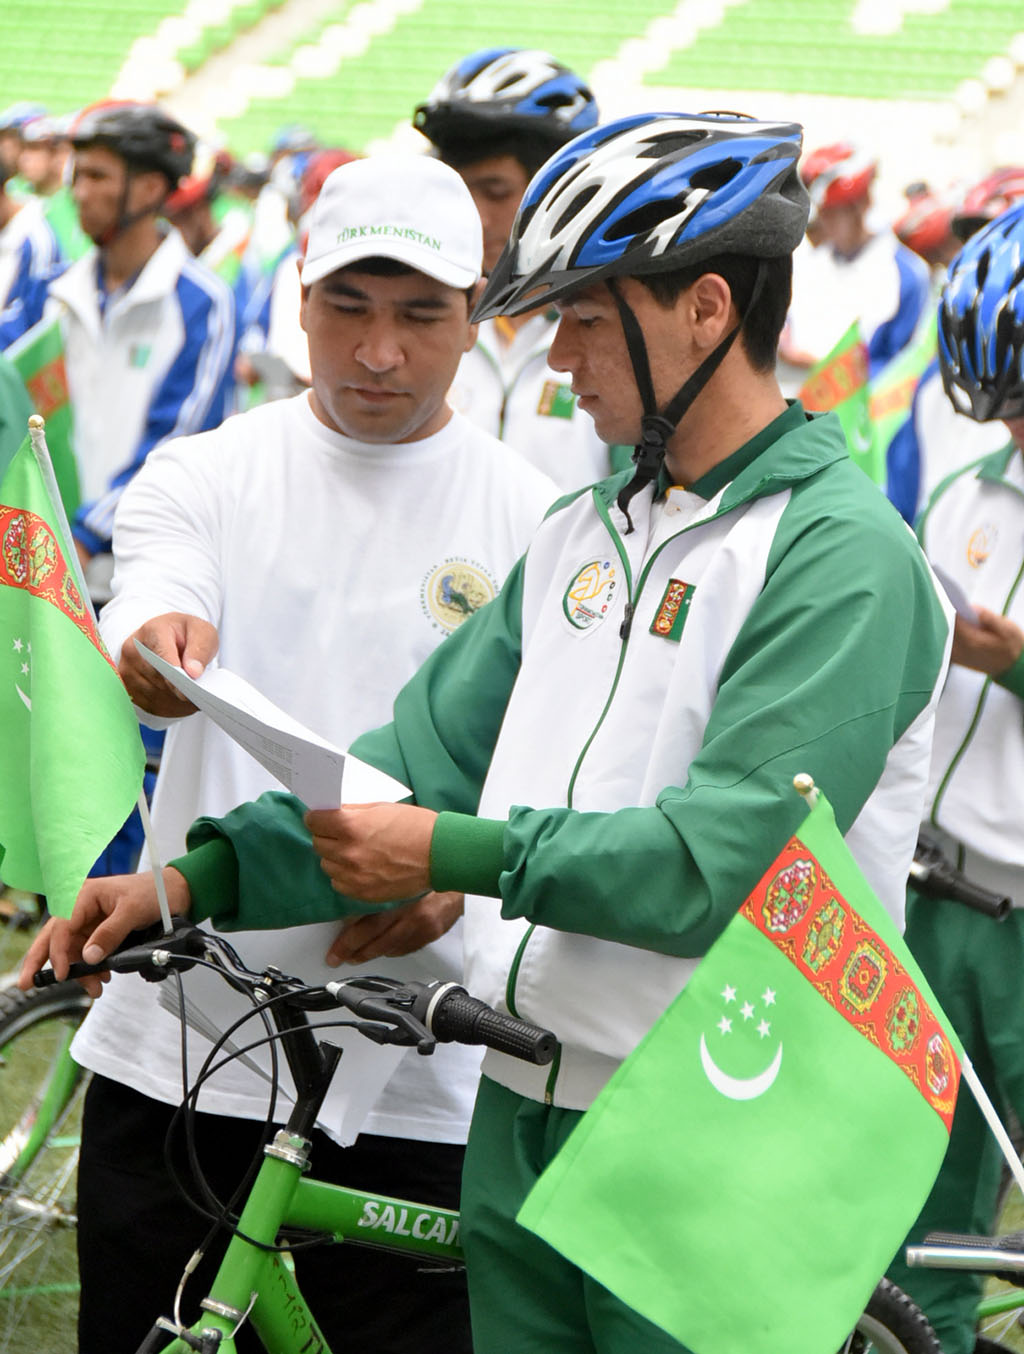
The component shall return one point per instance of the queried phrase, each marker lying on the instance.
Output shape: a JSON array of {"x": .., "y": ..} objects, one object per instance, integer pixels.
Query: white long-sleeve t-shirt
[{"x": 331, "y": 568}]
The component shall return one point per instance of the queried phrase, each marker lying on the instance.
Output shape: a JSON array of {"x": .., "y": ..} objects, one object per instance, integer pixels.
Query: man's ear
[
  {"x": 711, "y": 309},
  {"x": 474, "y": 301},
  {"x": 152, "y": 189},
  {"x": 304, "y": 298}
]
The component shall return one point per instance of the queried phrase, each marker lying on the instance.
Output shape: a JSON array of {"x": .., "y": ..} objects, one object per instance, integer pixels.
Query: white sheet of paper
[
  {"x": 301, "y": 760},
  {"x": 956, "y": 594},
  {"x": 315, "y": 771}
]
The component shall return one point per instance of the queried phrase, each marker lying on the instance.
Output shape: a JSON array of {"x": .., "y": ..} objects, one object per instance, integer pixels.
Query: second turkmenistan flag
[
  {"x": 748, "y": 1173},
  {"x": 71, "y": 758},
  {"x": 39, "y": 358}
]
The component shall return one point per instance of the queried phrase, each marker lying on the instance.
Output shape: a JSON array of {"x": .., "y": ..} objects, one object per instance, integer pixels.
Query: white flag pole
[
  {"x": 988, "y": 1110},
  {"x": 41, "y": 452}
]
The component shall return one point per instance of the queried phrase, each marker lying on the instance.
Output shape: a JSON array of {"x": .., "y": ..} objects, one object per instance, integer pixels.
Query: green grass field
[{"x": 46, "y": 1325}]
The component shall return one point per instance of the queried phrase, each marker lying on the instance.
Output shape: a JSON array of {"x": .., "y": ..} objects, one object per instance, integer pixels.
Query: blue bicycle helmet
[
  {"x": 649, "y": 194},
  {"x": 981, "y": 322},
  {"x": 507, "y": 90},
  {"x": 14, "y": 117}
]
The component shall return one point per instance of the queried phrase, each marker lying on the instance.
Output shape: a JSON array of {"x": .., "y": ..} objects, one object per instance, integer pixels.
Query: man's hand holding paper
[{"x": 183, "y": 641}]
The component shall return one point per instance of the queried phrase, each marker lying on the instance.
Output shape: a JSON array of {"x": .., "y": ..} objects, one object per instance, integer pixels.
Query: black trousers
[{"x": 136, "y": 1233}]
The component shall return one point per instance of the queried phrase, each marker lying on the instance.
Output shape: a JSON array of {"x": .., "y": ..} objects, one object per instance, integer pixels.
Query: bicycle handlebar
[
  {"x": 1001, "y": 1256},
  {"x": 390, "y": 1010},
  {"x": 936, "y": 877}
]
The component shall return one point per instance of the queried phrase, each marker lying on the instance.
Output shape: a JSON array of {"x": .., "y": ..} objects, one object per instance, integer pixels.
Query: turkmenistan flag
[
  {"x": 891, "y": 391},
  {"x": 39, "y": 358},
  {"x": 840, "y": 382},
  {"x": 71, "y": 758},
  {"x": 750, "y": 1170}
]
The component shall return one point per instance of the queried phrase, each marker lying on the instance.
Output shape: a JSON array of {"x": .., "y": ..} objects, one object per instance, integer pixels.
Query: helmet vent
[
  {"x": 715, "y": 176},
  {"x": 577, "y": 205},
  {"x": 660, "y": 144},
  {"x": 646, "y": 218}
]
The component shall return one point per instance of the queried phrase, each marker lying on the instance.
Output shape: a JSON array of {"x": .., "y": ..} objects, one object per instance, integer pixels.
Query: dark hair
[
  {"x": 759, "y": 328},
  {"x": 529, "y": 150},
  {"x": 379, "y": 265}
]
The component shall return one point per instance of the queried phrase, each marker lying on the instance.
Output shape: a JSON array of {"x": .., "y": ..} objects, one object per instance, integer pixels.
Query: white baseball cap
[{"x": 411, "y": 208}]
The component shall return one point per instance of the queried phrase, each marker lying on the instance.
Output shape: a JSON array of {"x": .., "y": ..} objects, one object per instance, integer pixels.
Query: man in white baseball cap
[
  {"x": 431, "y": 225},
  {"x": 323, "y": 545}
]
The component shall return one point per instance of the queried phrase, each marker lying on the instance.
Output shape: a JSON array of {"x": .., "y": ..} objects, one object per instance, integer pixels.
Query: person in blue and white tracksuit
[
  {"x": 28, "y": 246},
  {"x": 972, "y": 531},
  {"x": 149, "y": 334},
  {"x": 859, "y": 271}
]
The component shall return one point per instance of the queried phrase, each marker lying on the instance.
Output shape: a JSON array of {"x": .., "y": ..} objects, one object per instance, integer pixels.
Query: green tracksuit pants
[
  {"x": 976, "y": 969},
  {"x": 524, "y": 1297}
]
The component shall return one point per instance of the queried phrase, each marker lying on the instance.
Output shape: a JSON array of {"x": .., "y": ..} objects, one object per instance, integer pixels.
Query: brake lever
[{"x": 366, "y": 998}]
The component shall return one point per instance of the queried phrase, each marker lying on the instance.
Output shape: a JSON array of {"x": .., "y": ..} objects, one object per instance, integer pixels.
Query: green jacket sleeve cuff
[
  {"x": 467, "y": 854},
  {"x": 211, "y": 872},
  {"x": 1013, "y": 678}
]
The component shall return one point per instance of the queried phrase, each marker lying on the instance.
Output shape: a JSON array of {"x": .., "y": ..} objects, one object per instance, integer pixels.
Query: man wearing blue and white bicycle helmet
[
  {"x": 495, "y": 117},
  {"x": 971, "y": 532},
  {"x": 602, "y": 758}
]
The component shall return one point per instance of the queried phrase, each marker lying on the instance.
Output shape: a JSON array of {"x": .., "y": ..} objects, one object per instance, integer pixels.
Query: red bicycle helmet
[
  {"x": 988, "y": 199},
  {"x": 838, "y": 175}
]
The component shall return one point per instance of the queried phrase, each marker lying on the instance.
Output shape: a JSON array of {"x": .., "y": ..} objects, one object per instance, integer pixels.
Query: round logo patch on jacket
[
  {"x": 588, "y": 598},
  {"x": 454, "y": 590},
  {"x": 981, "y": 544}
]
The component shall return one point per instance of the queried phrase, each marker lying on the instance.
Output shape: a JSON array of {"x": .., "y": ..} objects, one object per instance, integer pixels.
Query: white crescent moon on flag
[
  {"x": 739, "y": 1088},
  {"x": 28, "y": 703}
]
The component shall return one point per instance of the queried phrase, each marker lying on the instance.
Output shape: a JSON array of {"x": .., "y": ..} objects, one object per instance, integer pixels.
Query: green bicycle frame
[{"x": 260, "y": 1284}]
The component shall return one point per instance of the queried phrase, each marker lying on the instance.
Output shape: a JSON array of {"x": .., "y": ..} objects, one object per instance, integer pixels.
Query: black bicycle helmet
[
  {"x": 981, "y": 322},
  {"x": 647, "y": 194},
  {"x": 143, "y": 135},
  {"x": 507, "y": 90}
]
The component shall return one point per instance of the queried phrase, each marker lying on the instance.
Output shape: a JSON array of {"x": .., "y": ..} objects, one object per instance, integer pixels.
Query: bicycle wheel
[
  {"x": 21, "y": 915},
  {"x": 40, "y": 1106},
  {"x": 891, "y": 1324}
]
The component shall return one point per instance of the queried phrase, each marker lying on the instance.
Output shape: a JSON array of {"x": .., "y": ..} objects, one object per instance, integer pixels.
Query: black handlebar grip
[
  {"x": 47, "y": 978},
  {"x": 981, "y": 900},
  {"x": 936, "y": 878},
  {"x": 455, "y": 1016}
]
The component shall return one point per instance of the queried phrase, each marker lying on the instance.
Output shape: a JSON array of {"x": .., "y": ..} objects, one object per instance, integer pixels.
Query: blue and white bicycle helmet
[
  {"x": 981, "y": 322},
  {"x": 507, "y": 90},
  {"x": 648, "y": 194}
]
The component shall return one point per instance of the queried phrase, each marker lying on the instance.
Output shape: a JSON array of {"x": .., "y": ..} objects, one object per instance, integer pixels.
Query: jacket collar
[
  {"x": 78, "y": 287},
  {"x": 791, "y": 448}
]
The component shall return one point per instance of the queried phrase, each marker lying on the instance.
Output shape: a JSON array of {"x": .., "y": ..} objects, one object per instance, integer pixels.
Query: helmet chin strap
[
  {"x": 657, "y": 426},
  {"x": 125, "y": 218}
]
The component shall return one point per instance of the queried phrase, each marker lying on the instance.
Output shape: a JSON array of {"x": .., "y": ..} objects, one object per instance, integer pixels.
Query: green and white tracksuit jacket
[
  {"x": 612, "y": 741},
  {"x": 972, "y": 532}
]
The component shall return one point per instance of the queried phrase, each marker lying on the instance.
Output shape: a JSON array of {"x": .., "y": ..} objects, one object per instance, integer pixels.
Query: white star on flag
[
  {"x": 768, "y": 996},
  {"x": 725, "y": 1025},
  {"x": 747, "y": 1011},
  {"x": 729, "y": 993},
  {"x": 764, "y": 1029}
]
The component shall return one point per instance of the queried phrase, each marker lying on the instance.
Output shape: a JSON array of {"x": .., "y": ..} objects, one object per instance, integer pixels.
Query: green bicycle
[{"x": 285, "y": 1208}]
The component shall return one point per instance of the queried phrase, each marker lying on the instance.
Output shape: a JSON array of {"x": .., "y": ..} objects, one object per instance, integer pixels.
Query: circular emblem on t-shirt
[
  {"x": 454, "y": 590},
  {"x": 588, "y": 597},
  {"x": 982, "y": 543}
]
